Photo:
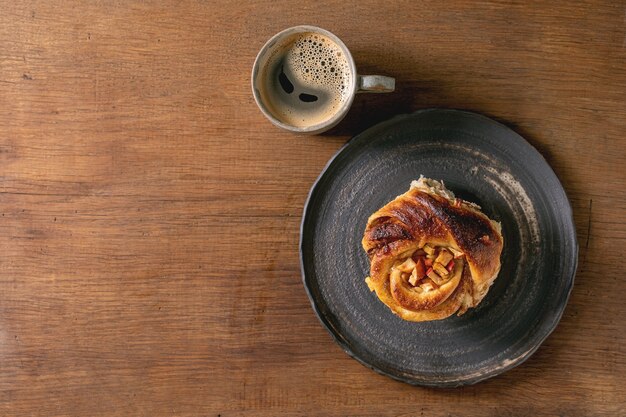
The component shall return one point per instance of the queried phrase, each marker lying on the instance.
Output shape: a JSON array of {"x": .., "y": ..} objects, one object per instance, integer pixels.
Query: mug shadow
[
  {"x": 369, "y": 109},
  {"x": 424, "y": 89}
]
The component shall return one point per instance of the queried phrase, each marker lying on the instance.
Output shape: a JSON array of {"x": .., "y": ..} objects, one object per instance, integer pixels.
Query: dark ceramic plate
[{"x": 481, "y": 161}]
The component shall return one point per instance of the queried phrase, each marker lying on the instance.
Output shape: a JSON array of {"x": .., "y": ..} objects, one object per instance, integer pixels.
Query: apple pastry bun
[{"x": 432, "y": 255}]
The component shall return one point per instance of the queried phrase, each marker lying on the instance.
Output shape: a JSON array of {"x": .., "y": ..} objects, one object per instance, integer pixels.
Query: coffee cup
[{"x": 304, "y": 80}]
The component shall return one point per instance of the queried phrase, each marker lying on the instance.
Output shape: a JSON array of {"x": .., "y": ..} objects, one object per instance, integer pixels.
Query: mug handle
[{"x": 376, "y": 84}]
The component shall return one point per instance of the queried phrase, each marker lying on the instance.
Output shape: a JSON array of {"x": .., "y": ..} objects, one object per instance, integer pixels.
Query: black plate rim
[{"x": 452, "y": 383}]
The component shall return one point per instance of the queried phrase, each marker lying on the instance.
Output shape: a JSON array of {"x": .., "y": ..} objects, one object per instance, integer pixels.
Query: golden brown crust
[{"x": 414, "y": 219}]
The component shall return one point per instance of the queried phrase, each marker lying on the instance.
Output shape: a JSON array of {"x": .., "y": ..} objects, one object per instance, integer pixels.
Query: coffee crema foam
[{"x": 307, "y": 80}]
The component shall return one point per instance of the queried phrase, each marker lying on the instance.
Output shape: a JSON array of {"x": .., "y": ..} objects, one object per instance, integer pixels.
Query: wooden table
[{"x": 150, "y": 214}]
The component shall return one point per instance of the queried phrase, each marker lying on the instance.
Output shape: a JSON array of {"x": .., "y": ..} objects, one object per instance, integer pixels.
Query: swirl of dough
[{"x": 432, "y": 255}]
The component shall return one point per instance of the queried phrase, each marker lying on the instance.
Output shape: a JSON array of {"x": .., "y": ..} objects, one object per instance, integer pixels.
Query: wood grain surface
[{"x": 150, "y": 214}]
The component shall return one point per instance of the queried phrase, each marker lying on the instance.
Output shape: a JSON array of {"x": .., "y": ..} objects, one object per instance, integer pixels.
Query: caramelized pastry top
[{"x": 431, "y": 253}]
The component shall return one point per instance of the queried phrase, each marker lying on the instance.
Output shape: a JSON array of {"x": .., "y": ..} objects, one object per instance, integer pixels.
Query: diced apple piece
[
  {"x": 427, "y": 284},
  {"x": 407, "y": 266},
  {"x": 428, "y": 249},
  {"x": 440, "y": 269},
  {"x": 444, "y": 257},
  {"x": 420, "y": 268},
  {"x": 435, "y": 277},
  {"x": 450, "y": 266},
  {"x": 413, "y": 278}
]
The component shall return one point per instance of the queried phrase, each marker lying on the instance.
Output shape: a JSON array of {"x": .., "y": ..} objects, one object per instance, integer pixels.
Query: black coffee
[{"x": 307, "y": 80}]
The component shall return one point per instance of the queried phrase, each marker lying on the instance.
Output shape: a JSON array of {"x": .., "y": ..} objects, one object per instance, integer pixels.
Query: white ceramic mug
[{"x": 304, "y": 80}]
